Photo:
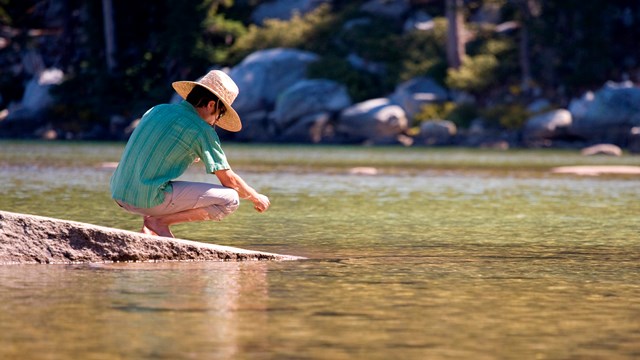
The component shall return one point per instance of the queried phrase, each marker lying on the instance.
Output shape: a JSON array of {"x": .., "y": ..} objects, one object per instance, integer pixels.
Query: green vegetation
[
  {"x": 461, "y": 114},
  {"x": 559, "y": 49}
]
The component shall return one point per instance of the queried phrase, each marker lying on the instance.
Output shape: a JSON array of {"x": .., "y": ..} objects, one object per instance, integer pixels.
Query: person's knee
[
  {"x": 232, "y": 205},
  {"x": 222, "y": 210}
]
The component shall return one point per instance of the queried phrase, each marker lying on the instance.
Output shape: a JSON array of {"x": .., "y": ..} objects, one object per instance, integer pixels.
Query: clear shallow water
[{"x": 430, "y": 264}]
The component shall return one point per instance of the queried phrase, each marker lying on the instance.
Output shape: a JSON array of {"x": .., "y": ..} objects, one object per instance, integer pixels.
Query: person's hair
[{"x": 200, "y": 96}]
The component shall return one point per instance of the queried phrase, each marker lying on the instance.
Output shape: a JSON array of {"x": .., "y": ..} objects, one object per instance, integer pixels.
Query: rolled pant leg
[{"x": 217, "y": 200}]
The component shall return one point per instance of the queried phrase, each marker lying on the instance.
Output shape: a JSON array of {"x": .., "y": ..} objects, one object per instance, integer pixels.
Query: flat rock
[
  {"x": 30, "y": 239},
  {"x": 597, "y": 170}
]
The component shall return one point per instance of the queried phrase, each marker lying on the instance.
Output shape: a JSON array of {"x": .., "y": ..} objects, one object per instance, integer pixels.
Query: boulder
[
  {"x": 46, "y": 132},
  {"x": 411, "y": 95},
  {"x": 30, "y": 239},
  {"x": 546, "y": 126},
  {"x": 265, "y": 74},
  {"x": 608, "y": 114},
  {"x": 36, "y": 97},
  {"x": 419, "y": 20},
  {"x": 436, "y": 132},
  {"x": 481, "y": 135},
  {"x": 312, "y": 128},
  {"x": 634, "y": 140},
  {"x": 394, "y": 9},
  {"x": 602, "y": 149},
  {"x": 373, "y": 120},
  {"x": 309, "y": 97},
  {"x": 256, "y": 126}
]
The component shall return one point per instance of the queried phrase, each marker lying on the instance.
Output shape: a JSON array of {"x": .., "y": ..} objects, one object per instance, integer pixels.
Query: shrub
[
  {"x": 309, "y": 32},
  {"x": 474, "y": 75},
  {"x": 424, "y": 53},
  {"x": 460, "y": 114},
  {"x": 360, "y": 85},
  {"x": 436, "y": 111},
  {"x": 507, "y": 116}
]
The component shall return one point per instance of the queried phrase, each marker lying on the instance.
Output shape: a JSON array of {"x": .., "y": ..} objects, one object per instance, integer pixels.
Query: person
[{"x": 168, "y": 139}]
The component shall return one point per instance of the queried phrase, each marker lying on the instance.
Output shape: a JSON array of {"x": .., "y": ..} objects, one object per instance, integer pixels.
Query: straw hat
[{"x": 222, "y": 86}]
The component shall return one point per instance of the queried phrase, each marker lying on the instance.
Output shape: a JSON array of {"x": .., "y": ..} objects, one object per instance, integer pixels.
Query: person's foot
[
  {"x": 146, "y": 230},
  {"x": 152, "y": 226}
]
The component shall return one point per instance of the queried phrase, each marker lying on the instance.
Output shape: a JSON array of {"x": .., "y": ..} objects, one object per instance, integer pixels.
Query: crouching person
[{"x": 167, "y": 140}]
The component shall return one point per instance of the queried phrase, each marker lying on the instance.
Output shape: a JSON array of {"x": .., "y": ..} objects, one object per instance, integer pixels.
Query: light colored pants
[{"x": 217, "y": 200}]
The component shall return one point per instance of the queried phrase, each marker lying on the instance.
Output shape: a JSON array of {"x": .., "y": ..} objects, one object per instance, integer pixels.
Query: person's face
[{"x": 216, "y": 111}]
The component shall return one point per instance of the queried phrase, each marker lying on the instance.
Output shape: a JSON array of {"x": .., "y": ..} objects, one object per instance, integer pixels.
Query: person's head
[
  {"x": 207, "y": 103},
  {"x": 212, "y": 97}
]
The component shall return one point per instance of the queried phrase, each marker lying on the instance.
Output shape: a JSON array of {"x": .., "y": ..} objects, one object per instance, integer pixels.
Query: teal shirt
[{"x": 167, "y": 140}]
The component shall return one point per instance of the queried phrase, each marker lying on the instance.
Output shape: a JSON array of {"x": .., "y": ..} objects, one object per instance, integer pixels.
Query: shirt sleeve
[{"x": 211, "y": 153}]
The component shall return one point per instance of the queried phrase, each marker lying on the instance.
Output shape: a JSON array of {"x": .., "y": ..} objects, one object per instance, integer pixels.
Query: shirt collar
[{"x": 187, "y": 106}]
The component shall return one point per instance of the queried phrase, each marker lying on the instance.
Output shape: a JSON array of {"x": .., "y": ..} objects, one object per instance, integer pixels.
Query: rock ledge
[{"x": 30, "y": 239}]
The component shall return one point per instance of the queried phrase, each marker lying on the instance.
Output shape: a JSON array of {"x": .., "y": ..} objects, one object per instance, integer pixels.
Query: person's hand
[{"x": 261, "y": 203}]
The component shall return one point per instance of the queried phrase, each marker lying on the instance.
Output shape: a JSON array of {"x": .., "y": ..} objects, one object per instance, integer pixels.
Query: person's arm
[{"x": 230, "y": 179}]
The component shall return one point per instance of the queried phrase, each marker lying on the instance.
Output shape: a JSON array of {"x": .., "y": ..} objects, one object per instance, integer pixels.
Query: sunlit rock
[
  {"x": 419, "y": 20},
  {"x": 595, "y": 170},
  {"x": 364, "y": 170},
  {"x": 30, "y": 239},
  {"x": 608, "y": 114},
  {"x": 437, "y": 132},
  {"x": 265, "y": 74},
  {"x": 413, "y": 94},
  {"x": 602, "y": 149},
  {"x": 309, "y": 97},
  {"x": 36, "y": 97},
  {"x": 371, "y": 120},
  {"x": 547, "y": 126}
]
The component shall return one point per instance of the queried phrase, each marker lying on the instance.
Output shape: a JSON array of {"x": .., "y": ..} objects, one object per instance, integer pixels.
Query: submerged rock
[
  {"x": 30, "y": 239},
  {"x": 602, "y": 149},
  {"x": 595, "y": 170}
]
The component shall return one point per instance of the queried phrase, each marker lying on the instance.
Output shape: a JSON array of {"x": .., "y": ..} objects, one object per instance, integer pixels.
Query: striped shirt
[{"x": 167, "y": 140}]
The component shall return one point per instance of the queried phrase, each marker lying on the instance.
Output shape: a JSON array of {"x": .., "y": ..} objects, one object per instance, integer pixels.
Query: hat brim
[{"x": 230, "y": 121}]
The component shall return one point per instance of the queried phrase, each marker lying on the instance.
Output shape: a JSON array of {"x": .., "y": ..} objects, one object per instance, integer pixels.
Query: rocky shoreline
[
  {"x": 279, "y": 104},
  {"x": 31, "y": 239}
]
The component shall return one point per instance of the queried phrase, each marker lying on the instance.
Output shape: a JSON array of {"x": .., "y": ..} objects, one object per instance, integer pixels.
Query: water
[{"x": 429, "y": 259}]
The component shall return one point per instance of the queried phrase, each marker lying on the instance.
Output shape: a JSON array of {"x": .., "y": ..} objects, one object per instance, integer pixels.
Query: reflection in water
[
  {"x": 435, "y": 265},
  {"x": 167, "y": 310}
]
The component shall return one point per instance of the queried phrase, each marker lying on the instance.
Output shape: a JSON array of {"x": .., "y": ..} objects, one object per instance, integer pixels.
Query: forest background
[{"x": 119, "y": 57}]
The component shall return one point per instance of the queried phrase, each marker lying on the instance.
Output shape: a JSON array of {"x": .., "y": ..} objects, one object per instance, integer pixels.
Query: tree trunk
[
  {"x": 525, "y": 60},
  {"x": 525, "y": 7},
  {"x": 68, "y": 39},
  {"x": 455, "y": 40},
  {"x": 109, "y": 35}
]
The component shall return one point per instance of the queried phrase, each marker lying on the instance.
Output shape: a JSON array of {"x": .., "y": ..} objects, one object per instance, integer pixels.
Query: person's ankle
[{"x": 157, "y": 227}]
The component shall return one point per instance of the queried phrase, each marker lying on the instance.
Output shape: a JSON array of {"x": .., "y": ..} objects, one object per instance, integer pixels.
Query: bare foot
[
  {"x": 152, "y": 226},
  {"x": 146, "y": 230}
]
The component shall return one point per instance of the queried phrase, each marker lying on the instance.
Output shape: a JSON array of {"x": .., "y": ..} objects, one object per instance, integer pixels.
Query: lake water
[{"x": 445, "y": 254}]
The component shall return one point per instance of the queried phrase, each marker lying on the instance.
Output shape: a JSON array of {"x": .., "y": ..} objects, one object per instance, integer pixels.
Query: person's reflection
[{"x": 197, "y": 309}]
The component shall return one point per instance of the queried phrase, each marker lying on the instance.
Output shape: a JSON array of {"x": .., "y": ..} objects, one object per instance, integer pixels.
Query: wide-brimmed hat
[{"x": 222, "y": 86}]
